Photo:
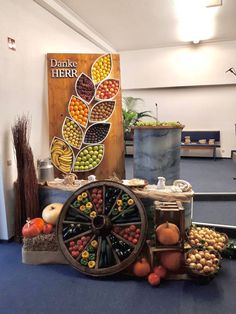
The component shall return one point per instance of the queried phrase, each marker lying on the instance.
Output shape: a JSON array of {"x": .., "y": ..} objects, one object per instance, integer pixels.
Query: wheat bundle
[{"x": 26, "y": 187}]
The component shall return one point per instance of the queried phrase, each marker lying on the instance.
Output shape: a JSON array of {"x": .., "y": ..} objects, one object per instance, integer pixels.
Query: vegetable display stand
[
  {"x": 157, "y": 153},
  {"x": 102, "y": 228}
]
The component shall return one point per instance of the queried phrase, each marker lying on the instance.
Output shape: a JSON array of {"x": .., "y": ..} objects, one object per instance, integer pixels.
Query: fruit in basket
[
  {"x": 101, "y": 68},
  {"x": 107, "y": 89},
  {"x": 154, "y": 279},
  {"x": 96, "y": 133},
  {"x": 33, "y": 227},
  {"x": 61, "y": 155},
  {"x": 72, "y": 133},
  {"x": 102, "y": 111},
  {"x": 168, "y": 233},
  {"x": 89, "y": 158},
  {"x": 141, "y": 268},
  {"x": 51, "y": 213},
  {"x": 78, "y": 111},
  {"x": 171, "y": 260},
  {"x": 203, "y": 261},
  {"x": 207, "y": 237},
  {"x": 160, "y": 271}
]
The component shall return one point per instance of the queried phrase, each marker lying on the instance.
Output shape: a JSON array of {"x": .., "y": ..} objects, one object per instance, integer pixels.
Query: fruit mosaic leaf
[
  {"x": 88, "y": 158},
  {"x": 84, "y": 88},
  {"x": 78, "y": 111},
  {"x": 102, "y": 111},
  {"x": 61, "y": 155},
  {"x": 101, "y": 68},
  {"x": 96, "y": 133},
  {"x": 72, "y": 133},
  {"x": 107, "y": 89}
]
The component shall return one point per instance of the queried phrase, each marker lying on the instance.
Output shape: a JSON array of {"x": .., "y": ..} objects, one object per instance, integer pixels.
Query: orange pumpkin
[
  {"x": 168, "y": 233},
  {"x": 33, "y": 227},
  {"x": 171, "y": 260},
  {"x": 141, "y": 268}
]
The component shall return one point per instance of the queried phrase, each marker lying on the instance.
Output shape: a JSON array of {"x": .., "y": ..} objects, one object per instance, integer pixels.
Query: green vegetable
[
  {"x": 92, "y": 257},
  {"x": 125, "y": 197},
  {"x": 84, "y": 262},
  {"x": 87, "y": 211},
  {"x": 76, "y": 204},
  {"x": 90, "y": 249},
  {"x": 115, "y": 211}
]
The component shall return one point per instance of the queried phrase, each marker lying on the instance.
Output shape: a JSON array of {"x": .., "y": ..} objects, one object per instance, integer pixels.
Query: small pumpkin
[
  {"x": 171, "y": 260},
  {"x": 47, "y": 228},
  {"x": 51, "y": 213},
  {"x": 141, "y": 268},
  {"x": 33, "y": 227},
  {"x": 168, "y": 233}
]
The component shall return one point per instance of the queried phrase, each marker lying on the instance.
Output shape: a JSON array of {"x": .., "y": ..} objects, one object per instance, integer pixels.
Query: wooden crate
[
  {"x": 173, "y": 212},
  {"x": 154, "y": 258}
]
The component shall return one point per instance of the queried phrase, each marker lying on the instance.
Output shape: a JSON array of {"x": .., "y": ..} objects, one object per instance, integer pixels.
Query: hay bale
[{"x": 42, "y": 242}]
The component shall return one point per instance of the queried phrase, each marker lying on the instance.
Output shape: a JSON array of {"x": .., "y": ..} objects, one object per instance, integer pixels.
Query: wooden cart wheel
[{"x": 102, "y": 228}]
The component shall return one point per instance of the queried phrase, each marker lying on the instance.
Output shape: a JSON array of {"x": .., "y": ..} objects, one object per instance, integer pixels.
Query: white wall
[
  {"x": 207, "y": 108},
  {"x": 192, "y": 65},
  {"x": 23, "y": 84},
  {"x": 189, "y": 84}
]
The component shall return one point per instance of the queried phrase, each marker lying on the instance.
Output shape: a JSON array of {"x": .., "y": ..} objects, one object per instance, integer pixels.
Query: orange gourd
[
  {"x": 141, "y": 268},
  {"x": 33, "y": 227},
  {"x": 168, "y": 233},
  {"x": 171, "y": 260}
]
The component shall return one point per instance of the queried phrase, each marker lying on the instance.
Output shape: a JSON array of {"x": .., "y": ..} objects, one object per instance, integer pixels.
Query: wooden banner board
[{"x": 63, "y": 70}]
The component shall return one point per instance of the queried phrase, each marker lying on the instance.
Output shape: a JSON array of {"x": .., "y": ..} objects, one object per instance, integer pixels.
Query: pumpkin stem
[
  {"x": 167, "y": 224},
  {"x": 28, "y": 221}
]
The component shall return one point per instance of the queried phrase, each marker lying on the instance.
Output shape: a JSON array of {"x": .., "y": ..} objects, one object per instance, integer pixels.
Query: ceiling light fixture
[
  {"x": 196, "y": 21},
  {"x": 196, "y": 41},
  {"x": 213, "y": 3}
]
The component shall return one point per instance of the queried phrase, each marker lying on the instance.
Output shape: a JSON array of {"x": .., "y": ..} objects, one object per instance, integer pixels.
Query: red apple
[{"x": 154, "y": 279}]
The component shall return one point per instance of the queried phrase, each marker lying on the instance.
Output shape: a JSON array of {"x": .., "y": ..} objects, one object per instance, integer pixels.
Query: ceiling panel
[{"x": 143, "y": 24}]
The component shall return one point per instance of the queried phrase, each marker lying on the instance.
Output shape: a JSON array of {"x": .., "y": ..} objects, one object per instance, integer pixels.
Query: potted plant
[{"x": 132, "y": 116}]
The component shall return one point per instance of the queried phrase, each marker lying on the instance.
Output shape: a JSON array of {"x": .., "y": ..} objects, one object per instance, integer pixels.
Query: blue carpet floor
[
  {"x": 216, "y": 212},
  {"x": 60, "y": 289}
]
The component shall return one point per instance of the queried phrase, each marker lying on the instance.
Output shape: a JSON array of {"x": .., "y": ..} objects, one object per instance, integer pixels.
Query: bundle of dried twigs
[{"x": 26, "y": 187}]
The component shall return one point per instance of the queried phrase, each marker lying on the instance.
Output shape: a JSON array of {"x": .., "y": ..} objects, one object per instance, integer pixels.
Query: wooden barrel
[{"x": 102, "y": 228}]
